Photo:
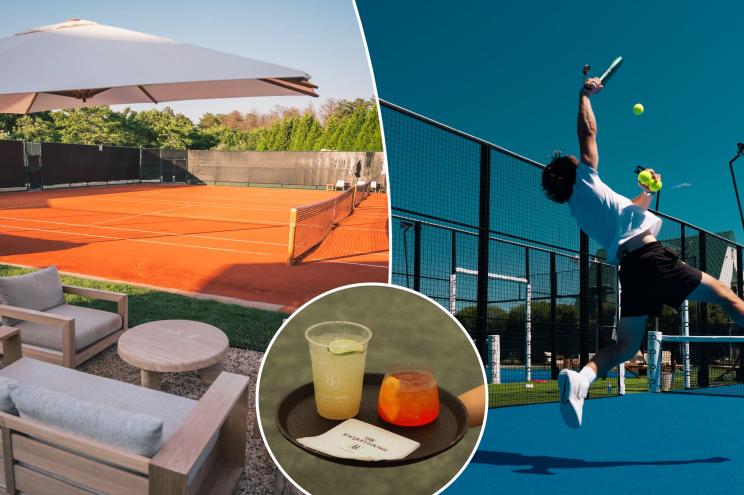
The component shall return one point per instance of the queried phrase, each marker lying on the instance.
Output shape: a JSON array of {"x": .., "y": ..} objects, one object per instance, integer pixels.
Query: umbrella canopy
[{"x": 80, "y": 63}]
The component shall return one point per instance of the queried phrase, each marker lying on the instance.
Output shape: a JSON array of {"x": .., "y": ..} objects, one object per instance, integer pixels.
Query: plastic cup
[{"x": 337, "y": 353}]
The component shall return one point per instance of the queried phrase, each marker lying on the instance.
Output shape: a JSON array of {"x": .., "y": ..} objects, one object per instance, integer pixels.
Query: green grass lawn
[
  {"x": 513, "y": 394},
  {"x": 246, "y": 328}
]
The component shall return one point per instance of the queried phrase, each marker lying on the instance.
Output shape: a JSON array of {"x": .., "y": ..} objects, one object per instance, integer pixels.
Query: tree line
[{"x": 340, "y": 125}]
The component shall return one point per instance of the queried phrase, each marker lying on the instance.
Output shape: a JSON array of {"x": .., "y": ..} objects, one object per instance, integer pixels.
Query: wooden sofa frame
[
  {"x": 40, "y": 460},
  {"x": 68, "y": 357}
]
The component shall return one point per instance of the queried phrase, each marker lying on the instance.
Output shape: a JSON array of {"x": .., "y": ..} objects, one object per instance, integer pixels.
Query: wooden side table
[
  {"x": 173, "y": 346},
  {"x": 10, "y": 338}
]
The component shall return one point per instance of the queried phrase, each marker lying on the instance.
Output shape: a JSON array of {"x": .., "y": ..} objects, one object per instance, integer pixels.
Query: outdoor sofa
[{"x": 69, "y": 432}]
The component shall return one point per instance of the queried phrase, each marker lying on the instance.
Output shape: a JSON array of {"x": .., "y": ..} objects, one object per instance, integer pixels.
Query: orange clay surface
[{"x": 216, "y": 240}]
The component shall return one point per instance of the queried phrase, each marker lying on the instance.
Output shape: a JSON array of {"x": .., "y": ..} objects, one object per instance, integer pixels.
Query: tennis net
[
  {"x": 361, "y": 193},
  {"x": 310, "y": 224},
  {"x": 709, "y": 365}
]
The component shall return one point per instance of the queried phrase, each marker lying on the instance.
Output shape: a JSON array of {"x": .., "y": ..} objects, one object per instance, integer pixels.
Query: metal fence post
[
  {"x": 553, "y": 318},
  {"x": 484, "y": 225},
  {"x": 417, "y": 256},
  {"x": 703, "y": 371},
  {"x": 599, "y": 293},
  {"x": 740, "y": 293},
  {"x": 583, "y": 299}
]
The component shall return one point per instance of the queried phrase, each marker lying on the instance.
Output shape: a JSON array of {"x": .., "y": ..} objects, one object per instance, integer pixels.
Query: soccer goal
[{"x": 467, "y": 278}]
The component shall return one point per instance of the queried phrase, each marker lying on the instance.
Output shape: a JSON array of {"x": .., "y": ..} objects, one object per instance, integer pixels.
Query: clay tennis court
[{"x": 214, "y": 240}]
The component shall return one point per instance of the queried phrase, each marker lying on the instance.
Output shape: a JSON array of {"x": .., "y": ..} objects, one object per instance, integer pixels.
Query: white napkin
[{"x": 354, "y": 439}]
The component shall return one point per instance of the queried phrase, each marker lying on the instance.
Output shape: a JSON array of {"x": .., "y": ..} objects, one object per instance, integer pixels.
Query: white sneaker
[{"x": 573, "y": 390}]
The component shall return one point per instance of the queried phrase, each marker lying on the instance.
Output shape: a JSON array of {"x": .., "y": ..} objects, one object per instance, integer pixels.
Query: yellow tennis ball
[
  {"x": 655, "y": 186},
  {"x": 638, "y": 109},
  {"x": 645, "y": 178}
]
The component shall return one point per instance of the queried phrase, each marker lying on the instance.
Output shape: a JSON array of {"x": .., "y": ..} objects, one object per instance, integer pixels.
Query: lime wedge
[{"x": 345, "y": 346}]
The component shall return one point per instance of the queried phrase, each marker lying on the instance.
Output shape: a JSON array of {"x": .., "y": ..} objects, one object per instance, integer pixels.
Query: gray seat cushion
[
  {"x": 40, "y": 290},
  {"x": 91, "y": 325},
  {"x": 134, "y": 432},
  {"x": 172, "y": 409}
]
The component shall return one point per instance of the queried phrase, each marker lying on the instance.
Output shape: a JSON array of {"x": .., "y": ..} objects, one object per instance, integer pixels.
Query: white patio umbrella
[{"x": 80, "y": 63}]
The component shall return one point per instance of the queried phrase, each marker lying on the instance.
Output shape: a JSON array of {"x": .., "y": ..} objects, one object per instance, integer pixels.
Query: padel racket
[{"x": 609, "y": 72}]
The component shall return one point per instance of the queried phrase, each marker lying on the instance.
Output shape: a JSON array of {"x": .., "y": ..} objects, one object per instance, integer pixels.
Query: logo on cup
[{"x": 332, "y": 379}]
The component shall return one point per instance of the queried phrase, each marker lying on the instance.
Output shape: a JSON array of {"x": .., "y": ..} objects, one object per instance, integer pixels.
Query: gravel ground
[{"x": 259, "y": 476}]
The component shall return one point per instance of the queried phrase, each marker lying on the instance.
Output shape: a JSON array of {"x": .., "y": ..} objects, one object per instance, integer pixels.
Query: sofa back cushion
[
  {"x": 40, "y": 290},
  {"x": 138, "y": 433}
]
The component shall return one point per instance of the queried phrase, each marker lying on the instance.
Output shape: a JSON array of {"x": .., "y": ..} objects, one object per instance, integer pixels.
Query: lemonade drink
[{"x": 337, "y": 353}]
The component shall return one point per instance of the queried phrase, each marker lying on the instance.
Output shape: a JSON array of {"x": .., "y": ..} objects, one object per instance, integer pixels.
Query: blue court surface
[{"x": 639, "y": 443}]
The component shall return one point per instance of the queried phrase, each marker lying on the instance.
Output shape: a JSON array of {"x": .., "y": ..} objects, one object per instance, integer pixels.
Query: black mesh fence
[
  {"x": 12, "y": 167},
  {"x": 151, "y": 169},
  {"x": 175, "y": 167},
  {"x": 471, "y": 217},
  {"x": 39, "y": 165},
  {"x": 709, "y": 368},
  {"x": 83, "y": 164}
]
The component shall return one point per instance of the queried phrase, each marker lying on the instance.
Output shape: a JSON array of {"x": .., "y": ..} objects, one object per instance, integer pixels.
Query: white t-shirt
[{"x": 605, "y": 216}]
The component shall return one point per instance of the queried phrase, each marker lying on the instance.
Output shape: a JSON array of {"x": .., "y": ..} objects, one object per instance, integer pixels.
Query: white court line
[
  {"x": 25, "y": 205},
  {"x": 183, "y": 217},
  {"x": 221, "y": 197},
  {"x": 187, "y": 203},
  {"x": 350, "y": 263},
  {"x": 161, "y": 234},
  {"x": 146, "y": 241},
  {"x": 129, "y": 217},
  {"x": 341, "y": 226}
]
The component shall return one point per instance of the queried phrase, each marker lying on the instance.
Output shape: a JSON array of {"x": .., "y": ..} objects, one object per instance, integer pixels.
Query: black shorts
[{"x": 652, "y": 276}]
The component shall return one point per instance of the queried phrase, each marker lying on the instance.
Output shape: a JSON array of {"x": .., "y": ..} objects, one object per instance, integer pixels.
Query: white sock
[{"x": 588, "y": 374}]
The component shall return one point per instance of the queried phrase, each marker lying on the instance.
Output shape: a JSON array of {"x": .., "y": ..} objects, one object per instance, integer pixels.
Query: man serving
[{"x": 650, "y": 274}]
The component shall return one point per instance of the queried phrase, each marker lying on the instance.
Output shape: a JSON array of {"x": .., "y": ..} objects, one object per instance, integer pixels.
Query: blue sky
[
  {"x": 510, "y": 72},
  {"x": 320, "y": 37}
]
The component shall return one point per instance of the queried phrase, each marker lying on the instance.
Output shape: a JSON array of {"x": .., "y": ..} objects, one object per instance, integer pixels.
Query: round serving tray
[{"x": 297, "y": 417}]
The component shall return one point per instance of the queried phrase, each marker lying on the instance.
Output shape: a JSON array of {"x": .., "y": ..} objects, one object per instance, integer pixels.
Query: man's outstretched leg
[
  {"x": 712, "y": 291},
  {"x": 573, "y": 386}
]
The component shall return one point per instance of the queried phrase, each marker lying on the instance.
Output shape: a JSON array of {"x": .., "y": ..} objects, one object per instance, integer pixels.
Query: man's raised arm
[{"x": 587, "y": 124}]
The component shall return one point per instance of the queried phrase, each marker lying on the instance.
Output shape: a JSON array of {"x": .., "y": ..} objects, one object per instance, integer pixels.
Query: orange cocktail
[{"x": 408, "y": 396}]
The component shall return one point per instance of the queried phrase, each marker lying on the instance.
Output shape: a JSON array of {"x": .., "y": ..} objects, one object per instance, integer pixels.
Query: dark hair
[{"x": 558, "y": 178}]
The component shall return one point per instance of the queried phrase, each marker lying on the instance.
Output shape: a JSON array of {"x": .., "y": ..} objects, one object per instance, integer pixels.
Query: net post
[
  {"x": 453, "y": 293},
  {"x": 494, "y": 357},
  {"x": 453, "y": 272},
  {"x": 353, "y": 197},
  {"x": 654, "y": 361},
  {"x": 292, "y": 229}
]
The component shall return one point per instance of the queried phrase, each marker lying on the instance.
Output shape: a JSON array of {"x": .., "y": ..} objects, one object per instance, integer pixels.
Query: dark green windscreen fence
[{"x": 38, "y": 165}]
